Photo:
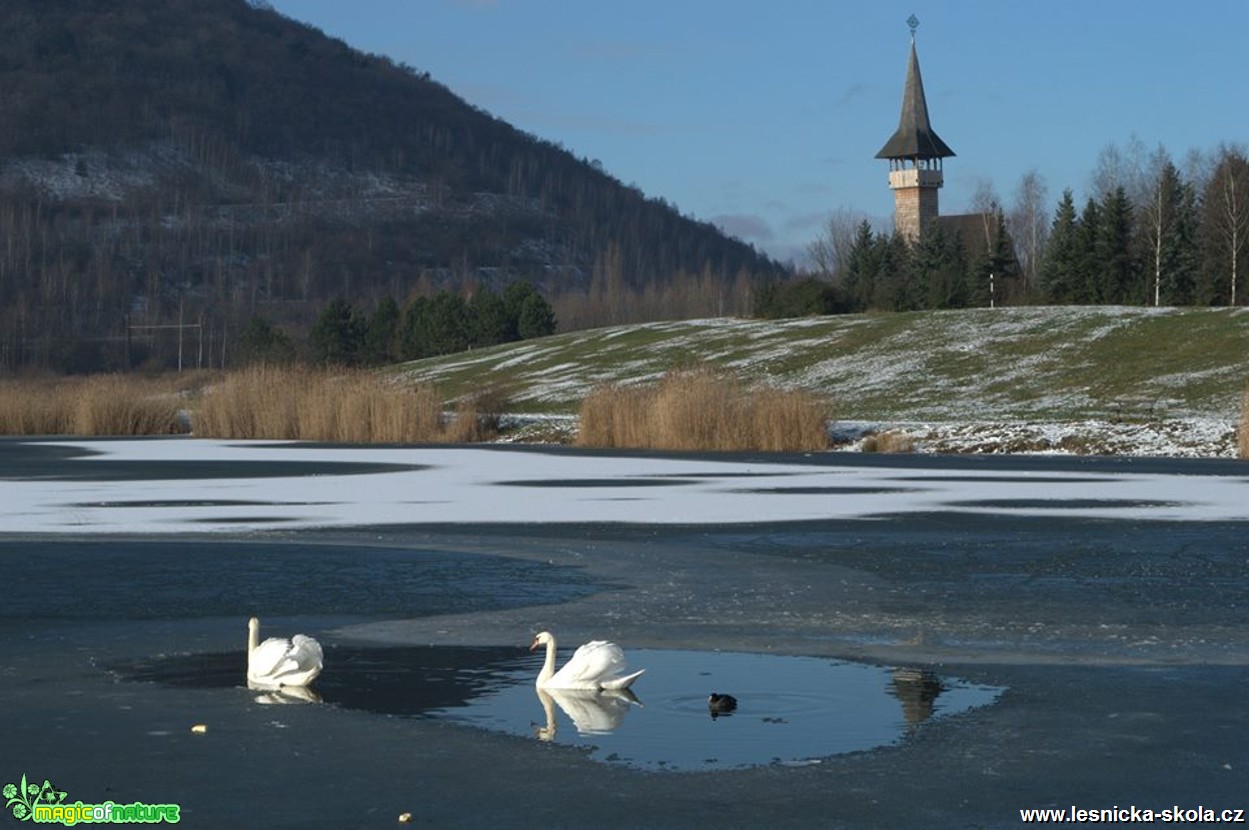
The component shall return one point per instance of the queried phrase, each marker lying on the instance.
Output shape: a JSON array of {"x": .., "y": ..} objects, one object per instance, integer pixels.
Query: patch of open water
[{"x": 791, "y": 710}]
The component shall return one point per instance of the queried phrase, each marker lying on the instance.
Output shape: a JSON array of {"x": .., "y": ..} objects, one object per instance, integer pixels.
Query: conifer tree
[
  {"x": 891, "y": 288},
  {"x": 448, "y": 323},
  {"x": 381, "y": 333},
  {"x": 940, "y": 270},
  {"x": 337, "y": 338},
  {"x": 414, "y": 333},
  {"x": 531, "y": 314},
  {"x": 1184, "y": 248},
  {"x": 491, "y": 323},
  {"x": 535, "y": 318},
  {"x": 1114, "y": 251},
  {"x": 1060, "y": 274},
  {"x": 862, "y": 263},
  {"x": 1088, "y": 288}
]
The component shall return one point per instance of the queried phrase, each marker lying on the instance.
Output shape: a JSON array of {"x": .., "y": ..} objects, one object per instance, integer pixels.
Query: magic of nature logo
[{"x": 45, "y": 804}]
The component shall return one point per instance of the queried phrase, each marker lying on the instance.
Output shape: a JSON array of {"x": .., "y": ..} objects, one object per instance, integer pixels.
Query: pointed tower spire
[{"x": 914, "y": 152}]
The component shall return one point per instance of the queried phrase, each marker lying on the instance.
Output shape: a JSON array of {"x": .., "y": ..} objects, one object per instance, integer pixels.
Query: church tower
[{"x": 914, "y": 153}]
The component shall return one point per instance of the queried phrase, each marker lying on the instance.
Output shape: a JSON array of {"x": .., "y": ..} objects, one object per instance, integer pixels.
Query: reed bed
[
  {"x": 301, "y": 403},
  {"x": 699, "y": 410},
  {"x": 94, "y": 405}
]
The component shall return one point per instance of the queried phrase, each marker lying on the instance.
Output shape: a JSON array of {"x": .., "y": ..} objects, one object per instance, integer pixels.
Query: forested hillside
[{"x": 185, "y": 167}]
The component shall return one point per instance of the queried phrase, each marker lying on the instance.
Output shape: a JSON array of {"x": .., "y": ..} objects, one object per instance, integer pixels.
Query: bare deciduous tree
[
  {"x": 1029, "y": 224},
  {"x": 1116, "y": 167},
  {"x": 830, "y": 252},
  {"x": 986, "y": 203}
]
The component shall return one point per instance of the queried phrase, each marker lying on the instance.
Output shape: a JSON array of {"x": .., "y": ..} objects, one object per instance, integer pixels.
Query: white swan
[
  {"x": 595, "y": 665},
  {"x": 280, "y": 662}
]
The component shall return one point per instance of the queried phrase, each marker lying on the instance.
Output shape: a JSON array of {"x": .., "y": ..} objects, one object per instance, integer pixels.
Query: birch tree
[
  {"x": 1227, "y": 218},
  {"x": 1157, "y": 216},
  {"x": 1028, "y": 226}
]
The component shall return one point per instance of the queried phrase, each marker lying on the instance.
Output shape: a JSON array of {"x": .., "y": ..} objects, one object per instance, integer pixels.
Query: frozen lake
[{"x": 901, "y": 632}]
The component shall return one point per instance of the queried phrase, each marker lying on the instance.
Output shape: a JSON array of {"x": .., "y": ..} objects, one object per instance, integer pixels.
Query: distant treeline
[
  {"x": 1155, "y": 236},
  {"x": 345, "y": 335}
]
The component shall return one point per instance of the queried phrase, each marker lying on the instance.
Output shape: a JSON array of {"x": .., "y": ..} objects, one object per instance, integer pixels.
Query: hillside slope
[
  {"x": 169, "y": 161},
  {"x": 929, "y": 371}
]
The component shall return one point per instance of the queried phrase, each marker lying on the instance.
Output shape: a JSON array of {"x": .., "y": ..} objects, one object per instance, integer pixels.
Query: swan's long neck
[
  {"x": 253, "y": 636},
  {"x": 548, "y": 667}
]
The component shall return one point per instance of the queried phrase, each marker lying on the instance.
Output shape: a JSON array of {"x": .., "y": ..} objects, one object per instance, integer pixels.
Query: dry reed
[
  {"x": 699, "y": 410},
  {"x": 95, "y": 405},
  {"x": 301, "y": 403}
]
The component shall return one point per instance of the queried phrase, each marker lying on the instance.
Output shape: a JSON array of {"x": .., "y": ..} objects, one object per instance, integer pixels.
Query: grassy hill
[{"x": 1026, "y": 364}]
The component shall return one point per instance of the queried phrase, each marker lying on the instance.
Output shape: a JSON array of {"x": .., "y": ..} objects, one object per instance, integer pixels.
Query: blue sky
[{"x": 764, "y": 116}]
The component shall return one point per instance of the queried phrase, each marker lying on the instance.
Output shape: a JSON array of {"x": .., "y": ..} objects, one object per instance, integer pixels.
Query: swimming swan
[
  {"x": 595, "y": 665},
  {"x": 281, "y": 662}
]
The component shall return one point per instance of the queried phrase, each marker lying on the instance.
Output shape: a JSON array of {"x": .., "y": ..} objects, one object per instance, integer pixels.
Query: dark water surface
[{"x": 791, "y": 710}]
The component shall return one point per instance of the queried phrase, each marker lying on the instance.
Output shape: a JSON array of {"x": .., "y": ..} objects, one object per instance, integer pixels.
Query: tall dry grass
[
  {"x": 302, "y": 403},
  {"x": 700, "y": 410},
  {"x": 1242, "y": 431},
  {"x": 95, "y": 405}
]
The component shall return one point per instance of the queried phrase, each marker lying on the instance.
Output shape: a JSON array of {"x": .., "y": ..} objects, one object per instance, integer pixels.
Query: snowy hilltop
[{"x": 1070, "y": 379}]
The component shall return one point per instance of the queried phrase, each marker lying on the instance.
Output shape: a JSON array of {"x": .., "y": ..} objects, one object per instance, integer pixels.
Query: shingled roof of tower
[{"x": 914, "y": 138}]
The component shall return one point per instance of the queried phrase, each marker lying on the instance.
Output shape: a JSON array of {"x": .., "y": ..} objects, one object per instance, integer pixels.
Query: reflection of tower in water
[{"x": 917, "y": 691}]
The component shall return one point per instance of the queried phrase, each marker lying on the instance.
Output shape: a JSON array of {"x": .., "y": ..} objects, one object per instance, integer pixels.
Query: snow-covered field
[
  {"x": 1080, "y": 380},
  {"x": 1172, "y": 438},
  {"x": 1169, "y": 438},
  {"x": 500, "y": 485}
]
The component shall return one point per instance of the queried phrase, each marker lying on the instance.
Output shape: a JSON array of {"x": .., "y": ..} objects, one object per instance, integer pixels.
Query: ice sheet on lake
[{"x": 502, "y": 485}]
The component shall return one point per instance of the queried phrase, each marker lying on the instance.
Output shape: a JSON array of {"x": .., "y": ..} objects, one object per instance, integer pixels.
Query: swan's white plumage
[
  {"x": 595, "y": 665},
  {"x": 281, "y": 662}
]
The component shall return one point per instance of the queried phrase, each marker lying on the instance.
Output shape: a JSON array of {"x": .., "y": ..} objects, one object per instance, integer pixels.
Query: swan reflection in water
[
  {"x": 592, "y": 712},
  {"x": 283, "y": 694}
]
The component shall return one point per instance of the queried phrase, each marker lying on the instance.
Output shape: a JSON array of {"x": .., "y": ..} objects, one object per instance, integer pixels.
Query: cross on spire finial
[{"x": 913, "y": 23}]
